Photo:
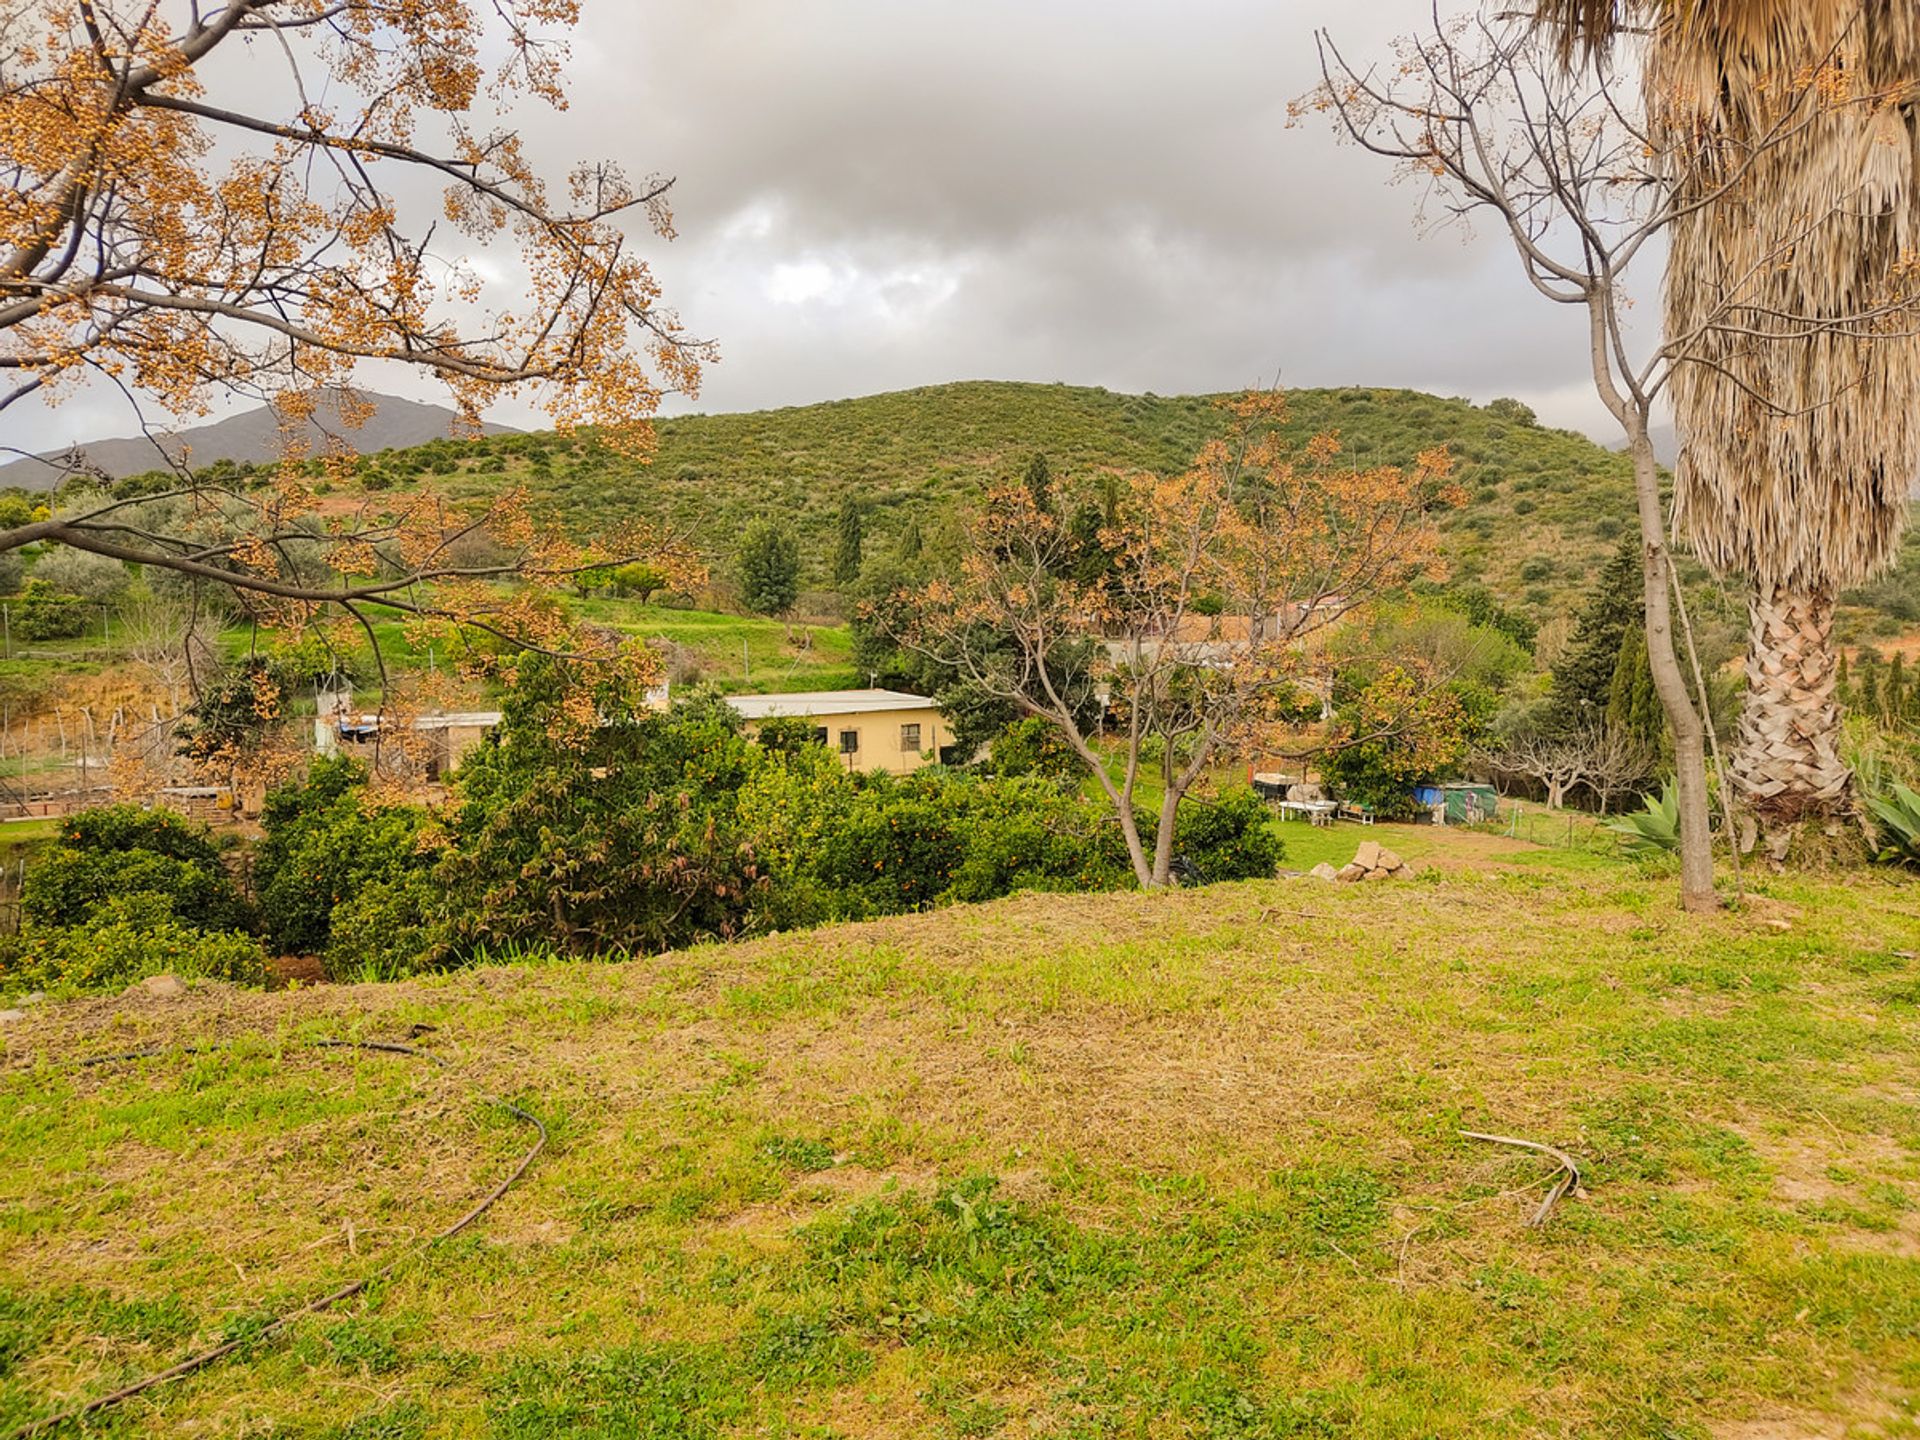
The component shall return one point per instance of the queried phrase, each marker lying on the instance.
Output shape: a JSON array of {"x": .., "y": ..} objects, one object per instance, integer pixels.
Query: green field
[{"x": 1185, "y": 1164}]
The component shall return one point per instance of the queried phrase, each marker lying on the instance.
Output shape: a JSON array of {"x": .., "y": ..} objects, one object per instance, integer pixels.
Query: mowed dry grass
[{"x": 1113, "y": 1165}]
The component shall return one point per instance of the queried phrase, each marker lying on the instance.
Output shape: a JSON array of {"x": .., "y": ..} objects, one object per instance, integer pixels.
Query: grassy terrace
[{"x": 1106, "y": 1166}]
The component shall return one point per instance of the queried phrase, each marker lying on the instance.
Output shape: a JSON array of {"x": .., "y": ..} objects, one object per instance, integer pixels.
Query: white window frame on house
[{"x": 910, "y": 739}]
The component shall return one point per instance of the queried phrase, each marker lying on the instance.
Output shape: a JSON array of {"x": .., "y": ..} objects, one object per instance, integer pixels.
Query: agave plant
[
  {"x": 1795, "y": 456},
  {"x": 1896, "y": 824},
  {"x": 1655, "y": 827}
]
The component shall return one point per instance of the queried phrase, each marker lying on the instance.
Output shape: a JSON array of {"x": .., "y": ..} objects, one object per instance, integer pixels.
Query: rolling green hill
[{"x": 1545, "y": 504}]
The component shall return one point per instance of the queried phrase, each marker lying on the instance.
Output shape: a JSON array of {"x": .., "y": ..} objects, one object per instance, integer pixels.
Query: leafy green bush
[
  {"x": 324, "y": 846},
  {"x": 620, "y": 836},
  {"x": 126, "y": 939},
  {"x": 122, "y": 851},
  {"x": 1035, "y": 836},
  {"x": 898, "y": 851},
  {"x": 1034, "y": 746},
  {"x": 386, "y": 930},
  {"x": 113, "y": 829},
  {"x": 786, "y": 734},
  {"x": 44, "y": 613},
  {"x": 1231, "y": 838}
]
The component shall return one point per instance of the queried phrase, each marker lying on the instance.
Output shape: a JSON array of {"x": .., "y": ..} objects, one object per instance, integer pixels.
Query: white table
[{"x": 1315, "y": 812}]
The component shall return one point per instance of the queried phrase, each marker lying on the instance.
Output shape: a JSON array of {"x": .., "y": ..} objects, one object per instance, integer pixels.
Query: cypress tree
[
  {"x": 849, "y": 554},
  {"x": 1633, "y": 705},
  {"x": 1583, "y": 677}
]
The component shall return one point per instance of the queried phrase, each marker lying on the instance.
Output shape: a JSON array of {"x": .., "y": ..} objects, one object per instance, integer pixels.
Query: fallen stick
[{"x": 1570, "y": 1171}]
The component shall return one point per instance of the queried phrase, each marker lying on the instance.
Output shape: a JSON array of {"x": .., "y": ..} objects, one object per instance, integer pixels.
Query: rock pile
[{"x": 1373, "y": 861}]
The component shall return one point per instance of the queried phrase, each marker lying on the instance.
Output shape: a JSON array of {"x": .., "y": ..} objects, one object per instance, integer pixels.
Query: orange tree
[
  {"x": 183, "y": 225},
  {"x": 1190, "y": 611}
]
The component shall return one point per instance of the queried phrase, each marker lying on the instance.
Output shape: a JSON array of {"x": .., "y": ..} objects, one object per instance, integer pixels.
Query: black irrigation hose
[{"x": 286, "y": 1318}]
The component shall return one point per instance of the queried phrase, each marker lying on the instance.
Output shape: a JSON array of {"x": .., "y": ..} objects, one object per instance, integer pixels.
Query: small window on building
[
  {"x": 819, "y": 734},
  {"x": 910, "y": 739},
  {"x": 849, "y": 742}
]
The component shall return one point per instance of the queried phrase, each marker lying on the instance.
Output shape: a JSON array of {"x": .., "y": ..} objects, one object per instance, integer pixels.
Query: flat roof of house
[
  {"x": 461, "y": 719},
  {"x": 806, "y": 704}
]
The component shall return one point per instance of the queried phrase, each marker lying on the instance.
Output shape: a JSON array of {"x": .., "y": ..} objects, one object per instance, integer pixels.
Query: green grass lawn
[
  {"x": 1173, "y": 1165},
  {"x": 734, "y": 652},
  {"x": 1309, "y": 845},
  {"x": 740, "y": 652},
  {"x": 18, "y": 834}
]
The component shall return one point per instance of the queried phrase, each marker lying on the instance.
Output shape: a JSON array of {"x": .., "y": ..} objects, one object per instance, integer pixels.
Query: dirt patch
[
  {"x": 1862, "y": 1412},
  {"x": 287, "y": 970}
]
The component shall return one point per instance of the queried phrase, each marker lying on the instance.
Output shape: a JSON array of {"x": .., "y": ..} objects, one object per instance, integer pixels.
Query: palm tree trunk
[{"x": 1787, "y": 762}]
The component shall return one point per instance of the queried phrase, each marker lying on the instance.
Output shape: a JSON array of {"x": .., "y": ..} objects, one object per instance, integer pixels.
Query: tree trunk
[
  {"x": 1164, "y": 836},
  {"x": 1689, "y": 730},
  {"x": 1143, "y": 866},
  {"x": 1787, "y": 763}
]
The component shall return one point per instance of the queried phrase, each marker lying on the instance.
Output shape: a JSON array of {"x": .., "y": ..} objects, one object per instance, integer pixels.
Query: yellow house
[{"x": 869, "y": 729}]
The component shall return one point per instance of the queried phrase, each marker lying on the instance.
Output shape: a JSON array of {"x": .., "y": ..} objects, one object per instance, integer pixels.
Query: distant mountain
[{"x": 252, "y": 436}]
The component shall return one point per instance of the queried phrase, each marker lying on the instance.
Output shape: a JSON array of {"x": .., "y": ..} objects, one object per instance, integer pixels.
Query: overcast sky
[{"x": 875, "y": 194}]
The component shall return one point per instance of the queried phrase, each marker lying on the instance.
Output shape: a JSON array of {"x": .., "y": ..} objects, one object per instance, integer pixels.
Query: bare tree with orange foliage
[
  {"x": 177, "y": 227},
  {"x": 1189, "y": 615}
]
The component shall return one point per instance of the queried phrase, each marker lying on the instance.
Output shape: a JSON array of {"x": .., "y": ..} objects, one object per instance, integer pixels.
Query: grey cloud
[{"x": 875, "y": 194}]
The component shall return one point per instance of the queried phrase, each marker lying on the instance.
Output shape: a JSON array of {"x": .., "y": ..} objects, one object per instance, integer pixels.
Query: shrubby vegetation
[
  {"x": 343, "y": 878},
  {"x": 638, "y": 833},
  {"x": 127, "y": 893},
  {"x": 649, "y": 831},
  {"x": 123, "y": 852}
]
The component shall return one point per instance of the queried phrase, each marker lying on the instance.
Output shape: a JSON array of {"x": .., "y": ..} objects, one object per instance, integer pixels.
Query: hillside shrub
[
  {"x": 1038, "y": 837},
  {"x": 324, "y": 845},
  {"x": 900, "y": 850},
  {"x": 1231, "y": 838},
  {"x": 388, "y": 929},
  {"x": 1034, "y": 746},
  {"x": 125, "y": 939},
  {"x": 620, "y": 836},
  {"x": 44, "y": 613},
  {"x": 123, "y": 851}
]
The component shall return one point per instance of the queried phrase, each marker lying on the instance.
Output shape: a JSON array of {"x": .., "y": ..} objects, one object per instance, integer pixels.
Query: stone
[
  {"x": 1379, "y": 874},
  {"x": 36, "y": 998},
  {"x": 1324, "y": 871},
  {"x": 7, "y": 1017},
  {"x": 162, "y": 987},
  {"x": 1351, "y": 873},
  {"x": 1367, "y": 857},
  {"x": 1388, "y": 860}
]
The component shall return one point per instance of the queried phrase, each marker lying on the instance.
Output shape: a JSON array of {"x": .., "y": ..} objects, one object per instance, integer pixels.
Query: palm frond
[{"x": 1800, "y": 436}]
